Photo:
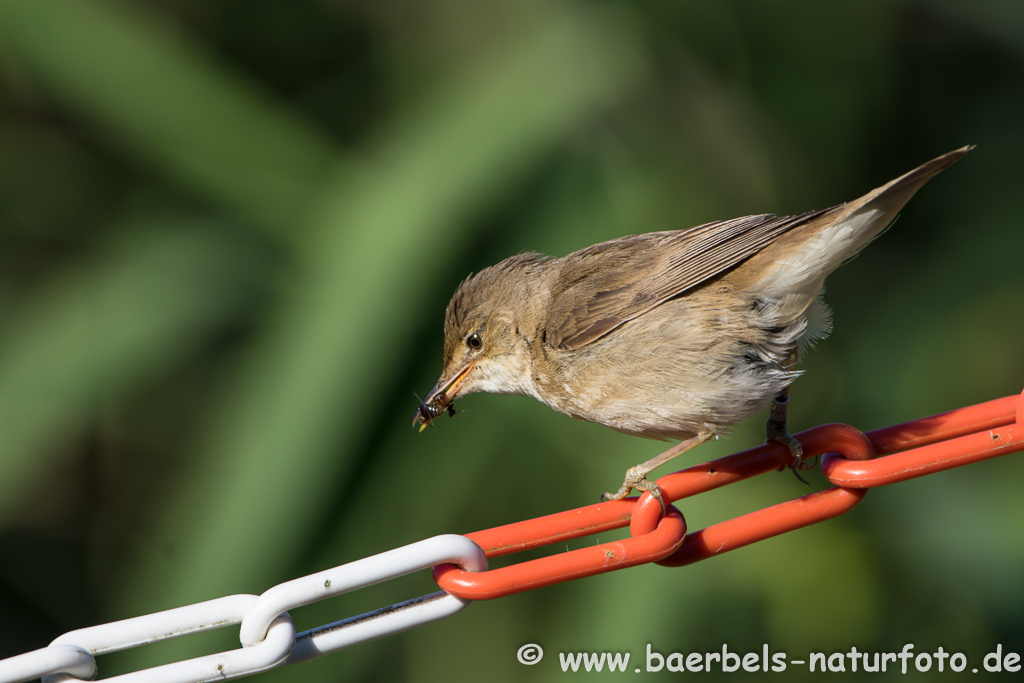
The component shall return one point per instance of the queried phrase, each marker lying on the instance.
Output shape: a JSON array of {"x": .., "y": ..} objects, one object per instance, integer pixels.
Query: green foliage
[{"x": 229, "y": 230}]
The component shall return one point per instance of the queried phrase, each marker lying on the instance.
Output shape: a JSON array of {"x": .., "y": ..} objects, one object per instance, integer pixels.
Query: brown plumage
[{"x": 668, "y": 335}]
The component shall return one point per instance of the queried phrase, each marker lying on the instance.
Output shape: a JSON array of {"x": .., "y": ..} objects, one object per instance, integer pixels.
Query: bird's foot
[
  {"x": 775, "y": 433},
  {"x": 775, "y": 430},
  {"x": 636, "y": 478}
]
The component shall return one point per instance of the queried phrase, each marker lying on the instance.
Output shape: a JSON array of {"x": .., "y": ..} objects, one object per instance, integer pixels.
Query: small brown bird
[{"x": 666, "y": 335}]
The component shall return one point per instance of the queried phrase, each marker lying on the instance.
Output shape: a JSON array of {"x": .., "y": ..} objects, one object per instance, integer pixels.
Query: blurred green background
[{"x": 230, "y": 229}]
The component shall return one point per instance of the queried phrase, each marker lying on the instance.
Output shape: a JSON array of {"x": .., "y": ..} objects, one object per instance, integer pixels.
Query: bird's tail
[{"x": 806, "y": 255}]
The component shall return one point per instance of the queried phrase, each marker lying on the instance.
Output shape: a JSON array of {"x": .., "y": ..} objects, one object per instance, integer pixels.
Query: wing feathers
[
  {"x": 604, "y": 286},
  {"x": 607, "y": 285}
]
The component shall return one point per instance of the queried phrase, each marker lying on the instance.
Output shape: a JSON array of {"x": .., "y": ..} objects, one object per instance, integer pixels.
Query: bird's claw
[
  {"x": 637, "y": 479},
  {"x": 777, "y": 432}
]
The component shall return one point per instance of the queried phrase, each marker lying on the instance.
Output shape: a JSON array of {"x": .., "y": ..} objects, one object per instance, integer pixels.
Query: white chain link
[
  {"x": 49, "y": 660},
  {"x": 267, "y": 633}
]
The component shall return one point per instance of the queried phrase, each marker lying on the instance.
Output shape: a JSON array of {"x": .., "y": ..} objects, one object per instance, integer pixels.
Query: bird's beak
[{"x": 440, "y": 397}]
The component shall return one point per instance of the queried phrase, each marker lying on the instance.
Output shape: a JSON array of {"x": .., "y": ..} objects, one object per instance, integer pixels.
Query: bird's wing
[{"x": 606, "y": 285}]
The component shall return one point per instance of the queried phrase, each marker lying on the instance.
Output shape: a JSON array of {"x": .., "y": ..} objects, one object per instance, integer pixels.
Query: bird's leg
[
  {"x": 775, "y": 427},
  {"x": 636, "y": 477}
]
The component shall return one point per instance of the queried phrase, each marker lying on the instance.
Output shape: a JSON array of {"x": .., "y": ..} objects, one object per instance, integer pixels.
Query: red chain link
[{"x": 851, "y": 460}]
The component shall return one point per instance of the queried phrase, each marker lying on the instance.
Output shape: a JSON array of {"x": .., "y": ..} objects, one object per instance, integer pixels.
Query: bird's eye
[{"x": 473, "y": 341}]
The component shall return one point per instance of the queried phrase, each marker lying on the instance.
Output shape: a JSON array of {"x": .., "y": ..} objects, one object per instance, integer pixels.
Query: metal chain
[
  {"x": 851, "y": 460},
  {"x": 267, "y": 633}
]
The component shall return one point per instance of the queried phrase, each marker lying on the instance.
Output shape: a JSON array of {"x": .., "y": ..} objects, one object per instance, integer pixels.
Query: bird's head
[{"x": 487, "y": 332}]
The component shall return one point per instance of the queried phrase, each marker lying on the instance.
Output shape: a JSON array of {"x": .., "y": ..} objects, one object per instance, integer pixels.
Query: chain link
[
  {"x": 852, "y": 461},
  {"x": 182, "y": 621},
  {"x": 54, "y": 659},
  {"x": 267, "y": 633}
]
